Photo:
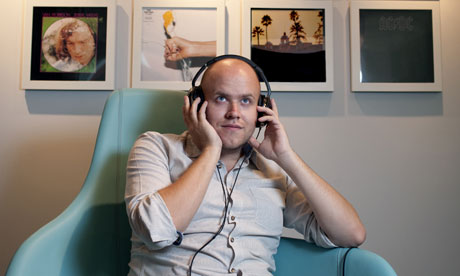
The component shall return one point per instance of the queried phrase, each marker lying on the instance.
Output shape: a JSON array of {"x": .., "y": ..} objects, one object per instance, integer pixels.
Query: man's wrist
[
  {"x": 212, "y": 150},
  {"x": 287, "y": 158}
]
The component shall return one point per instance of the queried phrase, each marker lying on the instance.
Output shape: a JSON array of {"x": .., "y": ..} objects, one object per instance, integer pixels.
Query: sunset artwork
[{"x": 289, "y": 45}]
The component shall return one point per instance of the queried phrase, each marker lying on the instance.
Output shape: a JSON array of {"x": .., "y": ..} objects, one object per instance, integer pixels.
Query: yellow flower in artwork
[{"x": 168, "y": 19}]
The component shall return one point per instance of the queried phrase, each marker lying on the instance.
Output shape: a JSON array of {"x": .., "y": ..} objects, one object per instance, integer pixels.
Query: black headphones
[{"x": 197, "y": 91}]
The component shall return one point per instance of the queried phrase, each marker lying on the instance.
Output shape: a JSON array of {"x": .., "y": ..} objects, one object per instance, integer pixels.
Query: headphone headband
[{"x": 257, "y": 69}]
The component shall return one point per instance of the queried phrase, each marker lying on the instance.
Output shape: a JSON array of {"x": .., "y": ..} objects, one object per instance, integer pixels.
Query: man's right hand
[
  {"x": 184, "y": 196},
  {"x": 203, "y": 134}
]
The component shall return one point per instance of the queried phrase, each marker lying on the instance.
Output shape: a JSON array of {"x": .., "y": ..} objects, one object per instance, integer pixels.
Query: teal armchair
[{"x": 92, "y": 236}]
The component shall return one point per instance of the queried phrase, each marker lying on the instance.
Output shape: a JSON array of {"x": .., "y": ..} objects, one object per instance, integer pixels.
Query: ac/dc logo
[{"x": 396, "y": 24}]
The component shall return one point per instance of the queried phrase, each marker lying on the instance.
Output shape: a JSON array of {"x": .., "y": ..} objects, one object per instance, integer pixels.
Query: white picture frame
[
  {"x": 44, "y": 69},
  {"x": 284, "y": 78},
  {"x": 202, "y": 21},
  {"x": 384, "y": 38}
]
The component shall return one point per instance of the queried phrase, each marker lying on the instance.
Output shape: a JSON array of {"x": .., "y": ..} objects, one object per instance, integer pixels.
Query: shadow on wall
[
  {"x": 297, "y": 104},
  {"x": 359, "y": 104},
  {"x": 66, "y": 102},
  {"x": 396, "y": 104}
]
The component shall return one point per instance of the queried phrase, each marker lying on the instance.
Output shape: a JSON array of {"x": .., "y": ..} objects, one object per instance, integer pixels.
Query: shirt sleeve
[
  {"x": 299, "y": 215},
  {"x": 147, "y": 172}
]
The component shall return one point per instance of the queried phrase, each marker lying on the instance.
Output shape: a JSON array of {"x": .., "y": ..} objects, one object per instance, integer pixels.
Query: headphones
[{"x": 197, "y": 91}]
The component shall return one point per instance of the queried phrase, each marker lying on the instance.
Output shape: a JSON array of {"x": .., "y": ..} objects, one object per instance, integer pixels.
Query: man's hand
[
  {"x": 184, "y": 196},
  {"x": 203, "y": 134},
  {"x": 275, "y": 144}
]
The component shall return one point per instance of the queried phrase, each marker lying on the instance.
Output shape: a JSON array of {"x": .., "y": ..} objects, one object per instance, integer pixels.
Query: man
[{"x": 202, "y": 203}]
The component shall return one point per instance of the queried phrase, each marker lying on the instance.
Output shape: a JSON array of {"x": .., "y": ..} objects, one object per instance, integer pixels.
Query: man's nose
[{"x": 233, "y": 110}]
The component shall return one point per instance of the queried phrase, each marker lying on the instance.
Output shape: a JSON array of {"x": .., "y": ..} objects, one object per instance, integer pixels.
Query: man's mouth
[{"x": 232, "y": 126}]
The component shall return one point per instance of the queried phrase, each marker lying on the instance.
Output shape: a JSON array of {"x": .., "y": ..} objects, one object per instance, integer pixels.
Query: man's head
[
  {"x": 232, "y": 89},
  {"x": 76, "y": 40}
]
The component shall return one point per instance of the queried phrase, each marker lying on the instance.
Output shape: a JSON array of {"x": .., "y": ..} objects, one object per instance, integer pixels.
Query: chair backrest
[
  {"x": 127, "y": 114},
  {"x": 92, "y": 236}
]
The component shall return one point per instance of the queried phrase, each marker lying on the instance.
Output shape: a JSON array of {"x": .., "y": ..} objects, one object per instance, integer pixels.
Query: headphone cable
[{"x": 227, "y": 201}]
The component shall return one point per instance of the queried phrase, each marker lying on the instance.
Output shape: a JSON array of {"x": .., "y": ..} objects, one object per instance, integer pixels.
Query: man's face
[
  {"x": 81, "y": 46},
  {"x": 232, "y": 91}
]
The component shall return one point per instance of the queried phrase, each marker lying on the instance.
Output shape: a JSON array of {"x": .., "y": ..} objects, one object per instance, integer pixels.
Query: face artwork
[{"x": 81, "y": 46}]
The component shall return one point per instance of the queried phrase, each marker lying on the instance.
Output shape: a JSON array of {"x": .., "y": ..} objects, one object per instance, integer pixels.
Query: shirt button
[
  {"x": 233, "y": 270},
  {"x": 232, "y": 240},
  {"x": 232, "y": 218}
]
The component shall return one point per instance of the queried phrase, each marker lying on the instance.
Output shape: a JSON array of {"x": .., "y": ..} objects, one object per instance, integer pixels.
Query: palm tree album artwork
[{"x": 289, "y": 45}]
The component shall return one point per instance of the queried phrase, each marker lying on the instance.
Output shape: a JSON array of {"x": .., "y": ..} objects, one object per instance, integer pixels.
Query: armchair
[{"x": 92, "y": 236}]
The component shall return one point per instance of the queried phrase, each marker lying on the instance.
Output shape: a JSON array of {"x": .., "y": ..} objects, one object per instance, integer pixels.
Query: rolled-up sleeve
[
  {"x": 299, "y": 215},
  {"x": 148, "y": 172}
]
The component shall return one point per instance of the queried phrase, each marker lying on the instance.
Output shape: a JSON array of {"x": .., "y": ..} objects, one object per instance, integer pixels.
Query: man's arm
[
  {"x": 184, "y": 196},
  {"x": 334, "y": 213}
]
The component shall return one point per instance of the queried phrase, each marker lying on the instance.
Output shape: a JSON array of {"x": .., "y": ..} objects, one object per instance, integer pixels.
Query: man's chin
[{"x": 233, "y": 146}]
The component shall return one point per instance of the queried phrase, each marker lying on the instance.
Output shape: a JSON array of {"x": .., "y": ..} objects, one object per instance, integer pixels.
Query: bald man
[{"x": 200, "y": 203}]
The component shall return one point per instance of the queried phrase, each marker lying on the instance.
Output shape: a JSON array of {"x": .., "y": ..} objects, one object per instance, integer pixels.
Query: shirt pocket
[{"x": 270, "y": 203}]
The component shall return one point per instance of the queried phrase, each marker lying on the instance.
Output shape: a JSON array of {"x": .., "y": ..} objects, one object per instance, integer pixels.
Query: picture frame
[
  {"x": 68, "y": 45},
  {"x": 157, "y": 24},
  {"x": 395, "y": 46},
  {"x": 299, "y": 54}
]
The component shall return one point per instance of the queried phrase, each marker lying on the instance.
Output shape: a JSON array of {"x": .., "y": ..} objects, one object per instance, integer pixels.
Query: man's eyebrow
[
  {"x": 249, "y": 95},
  {"x": 226, "y": 94}
]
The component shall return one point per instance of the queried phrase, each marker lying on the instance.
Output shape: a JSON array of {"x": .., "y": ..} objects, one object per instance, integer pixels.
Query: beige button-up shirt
[{"x": 263, "y": 201}]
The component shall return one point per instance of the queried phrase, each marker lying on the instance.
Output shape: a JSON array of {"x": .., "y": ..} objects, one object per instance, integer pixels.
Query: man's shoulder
[
  {"x": 162, "y": 136},
  {"x": 169, "y": 140}
]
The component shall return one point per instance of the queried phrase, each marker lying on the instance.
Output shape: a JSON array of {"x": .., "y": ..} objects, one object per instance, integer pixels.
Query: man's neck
[{"x": 230, "y": 157}]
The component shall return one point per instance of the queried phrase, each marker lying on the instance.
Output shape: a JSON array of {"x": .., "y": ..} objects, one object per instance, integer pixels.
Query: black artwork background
[{"x": 396, "y": 46}]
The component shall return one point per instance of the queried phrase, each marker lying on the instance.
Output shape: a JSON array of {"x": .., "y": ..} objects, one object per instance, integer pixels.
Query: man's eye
[
  {"x": 220, "y": 99},
  {"x": 246, "y": 101}
]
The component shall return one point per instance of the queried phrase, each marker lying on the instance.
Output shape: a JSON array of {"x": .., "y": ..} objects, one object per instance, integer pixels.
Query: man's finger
[
  {"x": 202, "y": 111},
  {"x": 194, "y": 109}
]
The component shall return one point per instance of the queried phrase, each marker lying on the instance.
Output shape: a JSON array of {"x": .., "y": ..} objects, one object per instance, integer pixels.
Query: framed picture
[
  {"x": 292, "y": 41},
  {"x": 395, "y": 46},
  {"x": 173, "y": 39},
  {"x": 69, "y": 45}
]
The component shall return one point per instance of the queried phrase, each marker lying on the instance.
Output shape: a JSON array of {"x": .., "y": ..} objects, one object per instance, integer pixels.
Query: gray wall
[{"x": 395, "y": 156}]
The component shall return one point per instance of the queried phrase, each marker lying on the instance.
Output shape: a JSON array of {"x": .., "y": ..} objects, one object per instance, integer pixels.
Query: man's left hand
[{"x": 275, "y": 143}]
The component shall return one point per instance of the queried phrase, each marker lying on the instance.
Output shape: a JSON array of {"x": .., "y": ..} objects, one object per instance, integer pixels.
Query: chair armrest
[
  {"x": 363, "y": 262},
  {"x": 297, "y": 257},
  {"x": 44, "y": 248}
]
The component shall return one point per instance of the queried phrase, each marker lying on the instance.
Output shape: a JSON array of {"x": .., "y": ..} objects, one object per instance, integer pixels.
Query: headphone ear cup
[
  {"x": 263, "y": 101},
  {"x": 196, "y": 92}
]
